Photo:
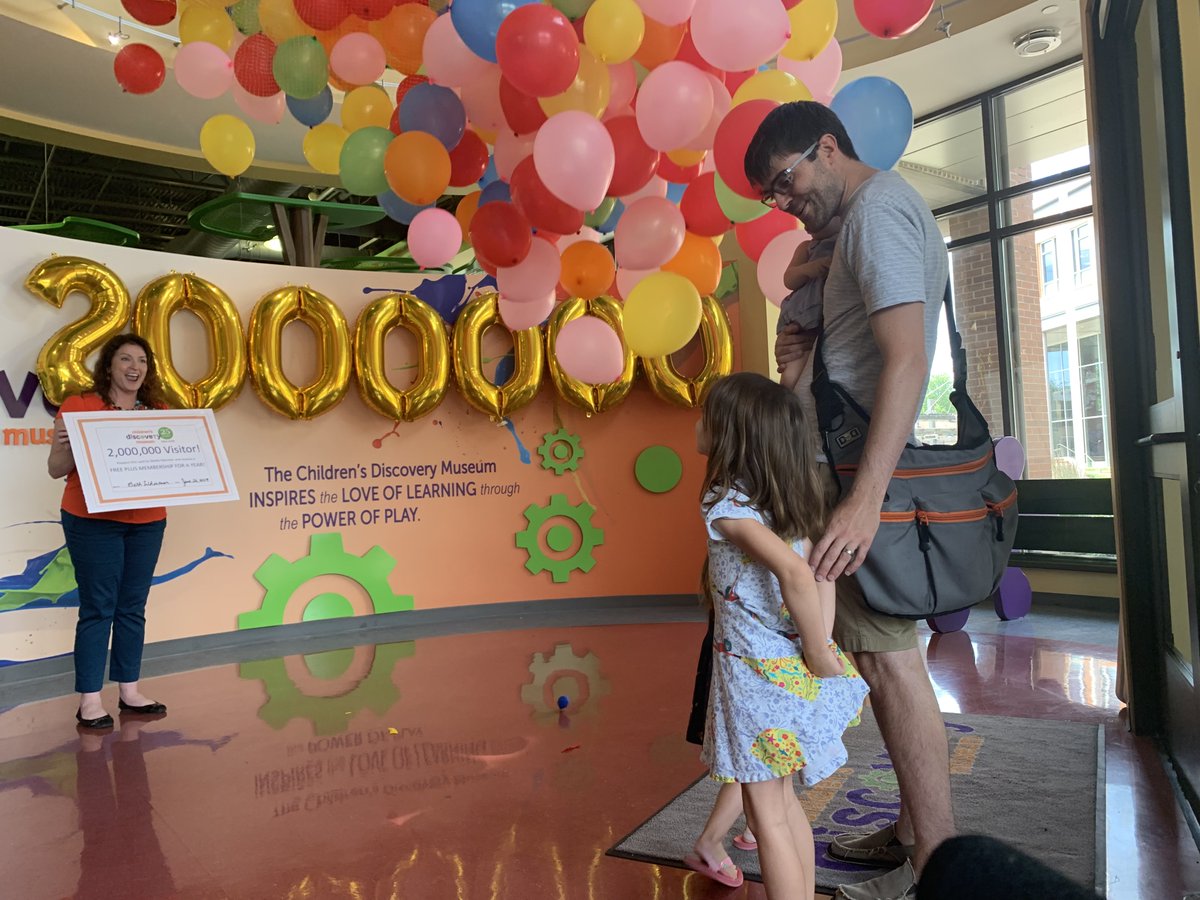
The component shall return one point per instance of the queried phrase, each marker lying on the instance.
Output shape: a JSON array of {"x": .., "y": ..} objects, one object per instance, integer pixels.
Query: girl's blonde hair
[{"x": 760, "y": 444}]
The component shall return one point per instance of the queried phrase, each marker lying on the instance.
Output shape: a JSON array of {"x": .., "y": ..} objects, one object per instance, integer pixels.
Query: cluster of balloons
[{"x": 556, "y": 121}]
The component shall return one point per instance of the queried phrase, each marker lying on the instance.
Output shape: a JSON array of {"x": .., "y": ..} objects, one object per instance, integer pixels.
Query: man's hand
[
  {"x": 792, "y": 344},
  {"x": 852, "y": 527}
]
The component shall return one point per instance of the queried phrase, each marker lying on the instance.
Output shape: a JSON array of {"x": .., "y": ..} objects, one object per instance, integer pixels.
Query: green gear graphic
[
  {"x": 563, "y": 661},
  {"x": 333, "y": 714},
  {"x": 326, "y": 556},
  {"x": 560, "y": 451},
  {"x": 559, "y": 538}
]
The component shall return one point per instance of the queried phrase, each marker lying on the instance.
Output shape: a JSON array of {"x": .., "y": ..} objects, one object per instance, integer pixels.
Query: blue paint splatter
[{"x": 522, "y": 452}]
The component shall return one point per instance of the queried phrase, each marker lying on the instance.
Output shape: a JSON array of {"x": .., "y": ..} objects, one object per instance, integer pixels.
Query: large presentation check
[{"x": 133, "y": 460}]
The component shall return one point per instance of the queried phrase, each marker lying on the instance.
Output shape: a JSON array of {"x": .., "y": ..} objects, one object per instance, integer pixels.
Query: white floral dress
[{"x": 768, "y": 715}]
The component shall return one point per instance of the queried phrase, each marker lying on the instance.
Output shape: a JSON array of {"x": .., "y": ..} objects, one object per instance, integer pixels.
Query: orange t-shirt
[{"x": 73, "y": 500}]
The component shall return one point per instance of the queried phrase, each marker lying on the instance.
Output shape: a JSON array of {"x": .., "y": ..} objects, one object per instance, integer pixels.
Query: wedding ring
[{"x": 850, "y": 552}]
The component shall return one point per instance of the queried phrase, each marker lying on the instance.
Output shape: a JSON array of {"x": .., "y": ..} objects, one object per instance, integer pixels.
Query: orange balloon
[
  {"x": 588, "y": 269},
  {"x": 661, "y": 43},
  {"x": 402, "y": 34},
  {"x": 465, "y": 212},
  {"x": 698, "y": 260},
  {"x": 417, "y": 167},
  {"x": 685, "y": 158}
]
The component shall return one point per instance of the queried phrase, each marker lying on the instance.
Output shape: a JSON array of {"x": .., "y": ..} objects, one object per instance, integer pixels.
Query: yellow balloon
[
  {"x": 771, "y": 84},
  {"x": 433, "y": 357},
  {"x": 157, "y": 303},
  {"x": 366, "y": 107},
  {"x": 323, "y": 147},
  {"x": 204, "y": 23},
  {"x": 588, "y": 397},
  {"x": 279, "y": 20},
  {"x": 274, "y": 312},
  {"x": 62, "y": 361},
  {"x": 717, "y": 338},
  {"x": 685, "y": 158},
  {"x": 228, "y": 144},
  {"x": 613, "y": 30},
  {"x": 589, "y": 92},
  {"x": 813, "y": 24},
  {"x": 476, "y": 318},
  {"x": 662, "y": 313}
]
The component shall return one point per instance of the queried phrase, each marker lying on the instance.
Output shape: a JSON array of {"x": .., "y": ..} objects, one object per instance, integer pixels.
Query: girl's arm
[
  {"x": 61, "y": 463},
  {"x": 827, "y": 595},
  {"x": 796, "y": 583},
  {"x": 798, "y": 272}
]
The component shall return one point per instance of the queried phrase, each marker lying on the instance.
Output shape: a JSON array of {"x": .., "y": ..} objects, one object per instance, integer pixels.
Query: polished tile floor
[{"x": 441, "y": 767}]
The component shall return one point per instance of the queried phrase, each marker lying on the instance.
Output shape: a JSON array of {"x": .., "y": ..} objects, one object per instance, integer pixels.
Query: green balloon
[
  {"x": 361, "y": 162},
  {"x": 301, "y": 67},
  {"x": 572, "y": 9},
  {"x": 600, "y": 215},
  {"x": 245, "y": 17},
  {"x": 735, "y": 206}
]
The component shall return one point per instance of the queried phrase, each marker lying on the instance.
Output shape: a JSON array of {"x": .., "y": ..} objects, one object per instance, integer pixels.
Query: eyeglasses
[{"x": 782, "y": 183}]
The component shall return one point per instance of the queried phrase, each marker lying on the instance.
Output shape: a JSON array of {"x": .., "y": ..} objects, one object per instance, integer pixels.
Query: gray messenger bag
[{"x": 949, "y": 516}]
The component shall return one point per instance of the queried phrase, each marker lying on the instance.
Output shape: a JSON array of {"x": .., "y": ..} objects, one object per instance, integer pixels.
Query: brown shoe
[
  {"x": 898, "y": 884},
  {"x": 879, "y": 848}
]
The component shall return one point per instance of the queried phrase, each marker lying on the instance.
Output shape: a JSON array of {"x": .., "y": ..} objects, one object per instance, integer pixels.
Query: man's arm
[{"x": 899, "y": 333}]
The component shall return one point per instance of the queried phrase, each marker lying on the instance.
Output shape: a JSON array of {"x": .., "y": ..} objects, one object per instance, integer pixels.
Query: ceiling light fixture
[
  {"x": 943, "y": 26},
  {"x": 115, "y": 37},
  {"x": 1038, "y": 42}
]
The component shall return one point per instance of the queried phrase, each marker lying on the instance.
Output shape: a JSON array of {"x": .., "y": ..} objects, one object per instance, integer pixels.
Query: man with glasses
[{"x": 881, "y": 309}]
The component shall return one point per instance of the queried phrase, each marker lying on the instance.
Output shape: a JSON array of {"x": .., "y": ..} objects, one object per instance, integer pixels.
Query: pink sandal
[
  {"x": 742, "y": 844},
  {"x": 718, "y": 874}
]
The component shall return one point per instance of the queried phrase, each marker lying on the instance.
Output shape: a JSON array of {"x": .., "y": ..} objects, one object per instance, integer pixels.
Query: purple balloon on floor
[
  {"x": 950, "y": 622},
  {"x": 1014, "y": 598}
]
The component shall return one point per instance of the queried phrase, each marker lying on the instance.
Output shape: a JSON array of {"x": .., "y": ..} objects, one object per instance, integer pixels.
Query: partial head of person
[
  {"x": 759, "y": 442},
  {"x": 800, "y": 159},
  {"x": 126, "y": 367}
]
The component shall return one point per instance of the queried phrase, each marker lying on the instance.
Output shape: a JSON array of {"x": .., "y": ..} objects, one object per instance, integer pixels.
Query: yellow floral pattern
[
  {"x": 779, "y": 751},
  {"x": 789, "y": 673}
]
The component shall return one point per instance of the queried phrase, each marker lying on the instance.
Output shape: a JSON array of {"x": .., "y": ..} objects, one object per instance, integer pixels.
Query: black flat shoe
[
  {"x": 105, "y": 721},
  {"x": 150, "y": 709}
]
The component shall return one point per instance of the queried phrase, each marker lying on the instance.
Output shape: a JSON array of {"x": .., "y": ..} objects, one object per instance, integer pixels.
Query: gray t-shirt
[{"x": 889, "y": 252}]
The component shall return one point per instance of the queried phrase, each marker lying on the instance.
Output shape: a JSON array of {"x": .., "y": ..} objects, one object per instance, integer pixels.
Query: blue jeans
[{"x": 114, "y": 563}]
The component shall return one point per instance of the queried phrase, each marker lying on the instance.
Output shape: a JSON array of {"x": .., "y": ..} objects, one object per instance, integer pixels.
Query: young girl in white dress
[{"x": 782, "y": 691}]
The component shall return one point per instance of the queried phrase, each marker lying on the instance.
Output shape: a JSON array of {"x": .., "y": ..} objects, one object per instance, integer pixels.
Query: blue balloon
[
  {"x": 478, "y": 22},
  {"x": 878, "y": 117},
  {"x": 435, "y": 110},
  {"x": 609, "y": 225},
  {"x": 489, "y": 174},
  {"x": 675, "y": 192},
  {"x": 314, "y": 110},
  {"x": 398, "y": 208},
  {"x": 497, "y": 190}
]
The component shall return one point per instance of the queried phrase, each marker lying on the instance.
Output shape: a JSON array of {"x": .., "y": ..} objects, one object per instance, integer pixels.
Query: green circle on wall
[{"x": 658, "y": 469}]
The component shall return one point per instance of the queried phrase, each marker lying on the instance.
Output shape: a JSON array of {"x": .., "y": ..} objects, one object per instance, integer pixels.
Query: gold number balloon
[
  {"x": 271, "y": 314},
  {"x": 528, "y": 360},
  {"x": 157, "y": 302},
  {"x": 433, "y": 357},
  {"x": 62, "y": 362},
  {"x": 717, "y": 338},
  {"x": 590, "y": 398}
]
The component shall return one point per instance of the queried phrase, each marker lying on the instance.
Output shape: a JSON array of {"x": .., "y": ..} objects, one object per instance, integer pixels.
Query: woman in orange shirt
[{"x": 114, "y": 553}]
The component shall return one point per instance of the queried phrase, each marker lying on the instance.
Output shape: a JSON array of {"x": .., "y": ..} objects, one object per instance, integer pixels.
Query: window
[
  {"x": 1049, "y": 262},
  {"x": 1081, "y": 251},
  {"x": 1091, "y": 395},
  {"x": 1058, "y": 387}
]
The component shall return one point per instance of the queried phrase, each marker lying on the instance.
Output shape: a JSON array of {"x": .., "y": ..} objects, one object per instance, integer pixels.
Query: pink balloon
[
  {"x": 649, "y": 233},
  {"x": 519, "y": 316},
  {"x": 434, "y": 237},
  {"x": 773, "y": 262},
  {"x": 263, "y": 109},
  {"x": 674, "y": 105},
  {"x": 447, "y": 60},
  {"x": 628, "y": 279},
  {"x": 481, "y": 99},
  {"x": 533, "y": 277},
  {"x": 358, "y": 58},
  {"x": 721, "y": 103},
  {"x": 587, "y": 348},
  {"x": 510, "y": 149},
  {"x": 655, "y": 187},
  {"x": 574, "y": 157},
  {"x": 586, "y": 233},
  {"x": 622, "y": 85},
  {"x": 203, "y": 70},
  {"x": 820, "y": 74},
  {"x": 669, "y": 12},
  {"x": 739, "y": 36}
]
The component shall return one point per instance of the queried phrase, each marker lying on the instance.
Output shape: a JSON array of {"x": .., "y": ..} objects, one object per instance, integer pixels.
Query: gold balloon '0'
[
  {"x": 271, "y": 314},
  {"x": 433, "y": 357},
  {"x": 717, "y": 338},
  {"x": 62, "y": 362},
  {"x": 157, "y": 302},
  {"x": 590, "y": 398},
  {"x": 528, "y": 360}
]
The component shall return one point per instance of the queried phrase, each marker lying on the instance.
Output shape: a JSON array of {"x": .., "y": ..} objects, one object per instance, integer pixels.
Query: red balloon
[
  {"x": 253, "y": 66},
  {"x": 322, "y": 14},
  {"x": 394, "y": 124},
  {"x": 371, "y": 10},
  {"x": 733, "y": 137},
  {"x": 150, "y": 12},
  {"x": 635, "y": 159},
  {"x": 500, "y": 233},
  {"x": 468, "y": 159},
  {"x": 689, "y": 54},
  {"x": 701, "y": 212},
  {"x": 891, "y": 18},
  {"x": 486, "y": 264},
  {"x": 753, "y": 236},
  {"x": 734, "y": 80},
  {"x": 523, "y": 113},
  {"x": 675, "y": 173},
  {"x": 537, "y": 50},
  {"x": 544, "y": 211},
  {"x": 139, "y": 69},
  {"x": 407, "y": 85}
]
